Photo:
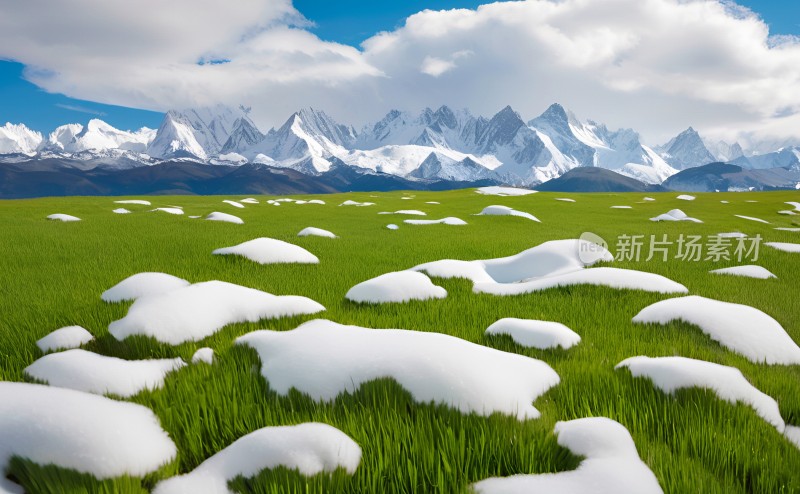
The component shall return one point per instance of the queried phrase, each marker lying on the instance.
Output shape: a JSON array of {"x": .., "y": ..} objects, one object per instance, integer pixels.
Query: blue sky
[{"x": 345, "y": 21}]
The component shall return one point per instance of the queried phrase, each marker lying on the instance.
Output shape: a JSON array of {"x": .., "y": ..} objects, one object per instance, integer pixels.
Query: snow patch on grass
[
  {"x": 611, "y": 464},
  {"x": 686, "y": 197},
  {"x": 784, "y": 246},
  {"x": 121, "y": 211},
  {"x": 392, "y": 226},
  {"x": 565, "y": 199},
  {"x": 750, "y": 271},
  {"x": 399, "y": 286},
  {"x": 270, "y": 251},
  {"x": 141, "y": 284},
  {"x": 93, "y": 373},
  {"x": 356, "y": 203},
  {"x": 452, "y": 220},
  {"x": 740, "y": 328},
  {"x": 204, "y": 355},
  {"x": 621, "y": 207},
  {"x": 323, "y": 359},
  {"x": 228, "y": 218},
  {"x": 675, "y": 215},
  {"x": 234, "y": 203},
  {"x": 65, "y": 338},
  {"x": 194, "y": 312},
  {"x": 504, "y": 191},
  {"x": 171, "y": 210},
  {"x": 134, "y": 201},
  {"x": 506, "y": 211},
  {"x": 751, "y": 218},
  {"x": 315, "y": 232},
  {"x": 535, "y": 334},
  {"x": 731, "y": 235},
  {"x": 63, "y": 217}
]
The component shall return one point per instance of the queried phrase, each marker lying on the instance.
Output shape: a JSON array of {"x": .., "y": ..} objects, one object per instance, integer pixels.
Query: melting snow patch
[
  {"x": 685, "y": 197},
  {"x": 535, "y": 334},
  {"x": 205, "y": 355},
  {"x": 565, "y": 199},
  {"x": 506, "y": 211},
  {"x": 748, "y": 271},
  {"x": 63, "y": 217},
  {"x": 795, "y": 205},
  {"x": 323, "y": 359},
  {"x": 788, "y": 229},
  {"x": 741, "y": 328},
  {"x": 444, "y": 221},
  {"x": 250, "y": 200},
  {"x": 731, "y": 235},
  {"x": 234, "y": 203},
  {"x": 141, "y": 284},
  {"x": 432, "y": 202},
  {"x": 392, "y": 226},
  {"x": 93, "y": 373},
  {"x": 504, "y": 191},
  {"x": 315, "y": 232},
  {"x": 675, "y": 215},
  {"x": 311, "y": 448},
  {"x": 788, "y": 213},
  {"x": 88, "y": 433},
  {"x": 355, "y": 203},
  {"x": 648, "y": 199},
  {"x": 725, "y": 202},
  {"x": 792, "y": 433},
  {"x": 228, "y": 218},
  {"x": 785, "y": 246},
  {"x": 316, "y": 201},
  {"x": 65, "y": 338},
  {"x": 399, "y": 286},
  {"x": 611, "y": 464},
  {"x": 621, "y": 207},
  {"x": 412, "y": 212},
  {"x": 751, "y": 218},
  {"x": 196, "y": 311},
  {"x": 121, "y": 211},
  {"x": 134, "y": 201},
  {"x": 270, "y": 251},
  {"x": 670, "y": 374},
  {"x": 170, "y": 210}
]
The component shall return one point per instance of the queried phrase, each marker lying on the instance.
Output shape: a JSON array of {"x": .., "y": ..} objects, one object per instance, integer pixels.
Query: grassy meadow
[{"x": 52, "y": 275}]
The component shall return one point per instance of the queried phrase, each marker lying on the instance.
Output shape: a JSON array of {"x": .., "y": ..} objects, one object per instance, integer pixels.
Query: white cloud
[{"x": 655, "y": 65}]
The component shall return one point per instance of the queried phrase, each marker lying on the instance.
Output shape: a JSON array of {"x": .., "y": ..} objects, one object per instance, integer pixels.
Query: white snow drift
[
  {"x": 88, "y": 433},
  {"x": 788, "y": 229},
  {"x": 565, "y": 199},
  {"x": 398, "y": 286},
  {"x": 670, "y": 374},
  {"x": 63, "y": 217},
  {"x": 621, "y": 207},
  {"x": 315, "y": 232},
  {"x": 65, "y": 338},
  {"x": 504, "y": 191},
  {"x": 270, "y": 251},
  {"x": 392, "y": 226},
  {"x": 535, "y": 334},
  {"x": 784, "y": 246},
  {"x": 191, "y": 313},
  {"x": 323, "y": 359},
  {"x": 759, "y": 220},
  {"x": 249, "y": 200},
  {"x": 506, "y": 211},
  {"x": 741, "y": 328},
  {"x": 410, "y": 212},
  {"x": 611, "y": 465},
  {"x": 170, "y": 210},
  {"x": 234, "y": 203},
  {"x": 120, "y": 211},
  {"x": 141, "y": 284},
  {"x": 205, "y": 355},
  {"x": 675, "y": 215},
  {"x": 356, "y": 203},
  {"x": 686, "y": 197},
  {"x": 86, "y": 371},
  {"x": 451, "y": 220},
  {"x": 750, "y": 271},
  {"x": 311, "y": 448},
  {"x": 732, "y": 235},
  {"x": 228, "y": 218},
  {"x": 134, "y": 201}
]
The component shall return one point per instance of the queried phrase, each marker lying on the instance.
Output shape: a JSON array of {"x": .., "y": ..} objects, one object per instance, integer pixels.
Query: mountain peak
[{"x": 555, "y": 112}]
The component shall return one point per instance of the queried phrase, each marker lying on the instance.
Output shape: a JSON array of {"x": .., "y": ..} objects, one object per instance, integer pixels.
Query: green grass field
[{"x": 52, "y": 275}]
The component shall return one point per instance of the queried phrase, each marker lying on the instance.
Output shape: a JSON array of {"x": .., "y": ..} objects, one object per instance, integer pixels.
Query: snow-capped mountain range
[{"x": 442, "y": 144}]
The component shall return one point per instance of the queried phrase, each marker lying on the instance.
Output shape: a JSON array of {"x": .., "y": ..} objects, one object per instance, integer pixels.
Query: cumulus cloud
[{"x": 654, "y": 65}]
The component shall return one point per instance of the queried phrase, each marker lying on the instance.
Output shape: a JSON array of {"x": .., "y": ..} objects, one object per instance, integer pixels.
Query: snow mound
[
  {"x": 648, "y": 199},
  {"x": 621, "y": 207},
  {"x": 411, "y": 212},
  {"x": 535, "y": 334},
  {"x": 504, "y": 191},
  {"x": 785, "y": 246},
  {"x": 205, "y": 355},
  {"x": 731, "y": 235},
  {"x": 398, "y": 286},
  {"x": 86, "y": 371},
  {"x": 611, "y": 464},
  {"x": 88, "y": 433},
  {"x": 795, "y": 205},
  {"x": 141, "y": 284},
  {"x": 270, "y": 251},
  {"x": 63, "y": 217},
  {"x": 120, "y": 211},
  {"x": 670, "y": 374},
  {"x": 228, "y": 218},
  {"x": 323, "y": 359},
  {"x": 452, "y": 220},
  {"x": 740, "y": 328},
  {"x": 315, "y": 232},
  {"x": 725, "y": 202},
  {"x": 751, "y": 218},
  {"x": 355, "y": 203},
  {"x": 191, "y": 313},
  {"x": 392, "y": 226},
  {"x": 234, "y": 203},
  {"x": 170, "y": 210},
  {"x": 249, "y": 200},
  {"x": 685, "y": 197},
  {"x": 316, "y": 201},
  {"x": 506, "y": 211},
  {"x": 675, "y": 215},
  {"x": 311, "y": 448},
  {"x": 750, "y": 271},
  {"x": 792, "y": 433},
  {"x": 565, "y": 199},
  {"x": 788, "y": 229},
  {"x": 65, "y": 338},
  {"x": 787, "y": 213},
  {"x": 432, "y": 202},
  {"x": 134, "y": 201}
]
